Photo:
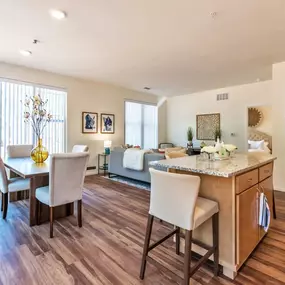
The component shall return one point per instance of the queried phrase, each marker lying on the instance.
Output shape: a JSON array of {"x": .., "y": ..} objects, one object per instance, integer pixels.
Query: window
[
  {"x": 141, "y": 124},
  {"x": 13, "y": 128}
]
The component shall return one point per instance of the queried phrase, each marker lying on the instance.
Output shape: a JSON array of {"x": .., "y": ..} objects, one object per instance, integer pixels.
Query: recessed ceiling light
[
  {"x": 57, "y": 14},
  {"x": 25, "y": 52}
]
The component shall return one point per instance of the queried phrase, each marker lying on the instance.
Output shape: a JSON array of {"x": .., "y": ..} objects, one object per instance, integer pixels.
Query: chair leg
[
  {"x": 215, "y": 224},
  {"x": 5, "y": 205},
  {"x": 274, "y": 208},
  {"x": 187, "y": 257},
  {"x": 146, "y": 245},
  {"x": 51, "y": 221},
  {"x": 2, "y": 200},
  {"x": 38, "y": 211},
  {"x": 79, "y": 213},
  {"x": 177, "y": 238}
]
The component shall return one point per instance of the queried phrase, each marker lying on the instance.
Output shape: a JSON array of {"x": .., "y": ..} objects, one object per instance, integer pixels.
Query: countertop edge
[{"x": 211, "y": 173}]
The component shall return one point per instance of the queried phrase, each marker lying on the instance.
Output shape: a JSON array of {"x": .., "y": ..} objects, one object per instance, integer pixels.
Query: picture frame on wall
[
  {"x": 206, "y": 126},
  {"x": 107, "y": 123},
  {"x": 89, "y": 123}
]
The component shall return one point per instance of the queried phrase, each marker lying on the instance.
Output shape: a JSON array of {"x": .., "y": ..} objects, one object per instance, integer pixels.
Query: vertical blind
[
  {"x": 13, "y": 128},
  {"x": 141, "y": 124}
]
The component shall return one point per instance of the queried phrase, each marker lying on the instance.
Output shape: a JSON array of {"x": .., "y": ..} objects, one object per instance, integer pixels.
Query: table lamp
[{"x": 107, "y": 146}]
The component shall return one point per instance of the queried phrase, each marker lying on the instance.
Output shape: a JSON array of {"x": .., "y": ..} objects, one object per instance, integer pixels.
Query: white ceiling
[{"x": 173, "y": 46}]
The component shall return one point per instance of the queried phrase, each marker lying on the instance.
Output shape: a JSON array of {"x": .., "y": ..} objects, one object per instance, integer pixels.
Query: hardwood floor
[{"x": 108, "y": 248}]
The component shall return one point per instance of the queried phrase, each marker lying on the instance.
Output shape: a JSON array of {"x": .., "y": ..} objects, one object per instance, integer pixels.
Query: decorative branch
[{"x": 36, "y": 114}]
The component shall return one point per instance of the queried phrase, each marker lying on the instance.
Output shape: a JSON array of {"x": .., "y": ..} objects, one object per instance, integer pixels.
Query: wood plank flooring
[{"x": 108, "y": 248}]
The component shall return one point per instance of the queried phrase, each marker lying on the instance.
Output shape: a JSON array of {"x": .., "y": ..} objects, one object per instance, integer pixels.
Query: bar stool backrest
[{"x": 173, "y": 197}]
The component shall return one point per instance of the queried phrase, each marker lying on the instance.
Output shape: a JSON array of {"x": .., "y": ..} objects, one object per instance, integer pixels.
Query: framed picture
[
  {"x": 89, "y": 123},
  {"x": 107, "y": 123},
  {"x": 206, "y": 126}
]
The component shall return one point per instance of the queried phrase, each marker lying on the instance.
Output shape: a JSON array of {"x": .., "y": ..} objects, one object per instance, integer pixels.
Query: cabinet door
[
  {"x": 267, "y": 187},
  {"x": 247, "y": 223}
]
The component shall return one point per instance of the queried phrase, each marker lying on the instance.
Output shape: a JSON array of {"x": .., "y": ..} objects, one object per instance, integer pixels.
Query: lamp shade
[{"x": 107, "y": 144}]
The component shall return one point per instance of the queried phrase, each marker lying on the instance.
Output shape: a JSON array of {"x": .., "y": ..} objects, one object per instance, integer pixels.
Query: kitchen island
[{"x": 236, "y": 184}]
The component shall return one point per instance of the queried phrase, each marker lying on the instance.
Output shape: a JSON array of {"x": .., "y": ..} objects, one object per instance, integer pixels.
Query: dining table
[{"x": 38, "y": 173}]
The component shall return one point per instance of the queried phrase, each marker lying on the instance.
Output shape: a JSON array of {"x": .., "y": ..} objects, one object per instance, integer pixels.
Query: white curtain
[
  {"x": 13, "y": 128},
  {"x": 141, "y": 124}
]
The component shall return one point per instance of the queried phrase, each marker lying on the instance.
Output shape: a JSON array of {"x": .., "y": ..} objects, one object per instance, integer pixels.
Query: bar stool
[{"x": 174, "y": 199}]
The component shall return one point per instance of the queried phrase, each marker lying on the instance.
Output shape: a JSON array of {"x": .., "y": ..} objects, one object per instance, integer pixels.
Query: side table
[{"x": 104, "y": 166}]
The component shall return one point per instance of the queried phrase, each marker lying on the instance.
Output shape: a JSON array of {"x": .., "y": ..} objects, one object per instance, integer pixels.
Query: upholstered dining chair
[
  {"x": 66, "y": 178},
  {"x": 21, "y": 150},
  {"x": 80, "y": 148},
  {"x": 10, "y": 185}
]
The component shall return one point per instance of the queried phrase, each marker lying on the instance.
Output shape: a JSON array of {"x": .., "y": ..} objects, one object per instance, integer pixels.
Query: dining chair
[
  {"x": 20, "y": 150},
  {"x": 10, "y": 185},
  {"x": 66, "y": 178},
  {"x": 80, "y": 148}
]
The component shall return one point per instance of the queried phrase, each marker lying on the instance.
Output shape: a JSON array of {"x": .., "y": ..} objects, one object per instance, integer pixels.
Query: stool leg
[
  {"x": 274, "y": 209},
  {"x": 51, "y": 222},
  {"x": 187, "y": 257},
  {"x": 146, "y": 245},
  {"x": 215, "y": 225},
  {"x": 5, "y": 205},
  {"x": 177, "y": 238},
  {"x": 2, "y": 201},
  {"x": 38, "y": 211},
  {"x": 79, "y": 213}
]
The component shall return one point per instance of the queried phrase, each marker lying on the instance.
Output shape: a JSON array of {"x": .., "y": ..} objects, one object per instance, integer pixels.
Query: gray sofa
[{"x": 116, "y": 165}]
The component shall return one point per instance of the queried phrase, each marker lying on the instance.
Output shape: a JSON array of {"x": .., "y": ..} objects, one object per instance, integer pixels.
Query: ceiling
[{"x": 174, "y": 47}]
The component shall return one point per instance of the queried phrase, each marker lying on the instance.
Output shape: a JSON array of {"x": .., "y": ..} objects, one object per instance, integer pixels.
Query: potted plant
[
  {"x": 218, "y": 134},
  {"x": 190, "y": 136}
]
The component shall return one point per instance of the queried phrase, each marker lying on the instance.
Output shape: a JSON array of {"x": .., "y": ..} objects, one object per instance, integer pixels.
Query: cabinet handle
[{"x": 249, "y": 180}]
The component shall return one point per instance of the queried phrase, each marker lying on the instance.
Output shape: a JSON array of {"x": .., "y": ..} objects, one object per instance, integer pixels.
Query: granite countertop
[{"x": 241, "y": 162}]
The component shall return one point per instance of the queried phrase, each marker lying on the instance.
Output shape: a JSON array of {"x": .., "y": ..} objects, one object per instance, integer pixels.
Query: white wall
[
  {"x": 278, "y": 118},
  {"x": 83, "y": 96},
  {"x": 182, "y": 111}
]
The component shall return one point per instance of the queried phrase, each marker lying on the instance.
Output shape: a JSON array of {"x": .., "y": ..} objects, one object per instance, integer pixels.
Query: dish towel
[{"x": 264, "y": 212}]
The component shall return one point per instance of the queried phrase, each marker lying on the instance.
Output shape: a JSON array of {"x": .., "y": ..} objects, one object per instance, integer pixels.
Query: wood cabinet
[
  {"x": 246, "y": 180},
  {"x": 247, "y": 223},
  {"x": 265, "y": 171},
  {"x": 249, "y": 233}
]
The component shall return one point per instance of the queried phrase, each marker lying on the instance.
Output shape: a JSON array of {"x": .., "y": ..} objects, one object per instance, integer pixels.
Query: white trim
[
  {"x": 140, "y": 102},
  {"x": 35, "y": 85}
]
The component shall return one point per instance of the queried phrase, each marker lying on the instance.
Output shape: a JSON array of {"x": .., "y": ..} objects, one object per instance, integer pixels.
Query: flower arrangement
[
  {"x": 220, "y": 151},
  {"x": 230, "y": 147},
  {"x": 36, "y": 114}
]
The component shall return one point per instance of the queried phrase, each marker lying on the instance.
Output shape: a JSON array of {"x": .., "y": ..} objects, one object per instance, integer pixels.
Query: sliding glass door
[{"x": 141, "y": 124}]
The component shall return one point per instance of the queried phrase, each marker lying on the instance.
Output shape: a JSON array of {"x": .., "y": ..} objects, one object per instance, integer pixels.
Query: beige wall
[
  {"x": 83, "y": 96},
  {"x": 278, "y": 118},
  {"x": 182, "y": 111}
]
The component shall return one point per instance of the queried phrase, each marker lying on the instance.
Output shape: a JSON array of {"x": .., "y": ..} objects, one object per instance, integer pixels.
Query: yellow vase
[{"x": 39, "y": 153}]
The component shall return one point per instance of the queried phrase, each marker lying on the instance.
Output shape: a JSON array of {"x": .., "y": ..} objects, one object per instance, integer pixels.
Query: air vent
[{"x": 222, "y": 96}]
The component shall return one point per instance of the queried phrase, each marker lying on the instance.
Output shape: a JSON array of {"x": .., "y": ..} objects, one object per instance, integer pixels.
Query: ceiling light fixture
[
  {"x": 213, "y": 14},
  {"x": 25, "y": 52},
  {"x": 57, "y": 14}
]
